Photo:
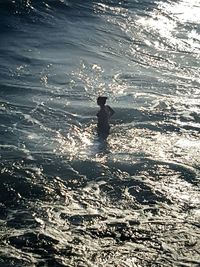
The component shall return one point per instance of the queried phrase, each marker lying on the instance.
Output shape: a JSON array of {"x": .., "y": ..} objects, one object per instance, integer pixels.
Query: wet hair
[{"x": 101, "y": 100}]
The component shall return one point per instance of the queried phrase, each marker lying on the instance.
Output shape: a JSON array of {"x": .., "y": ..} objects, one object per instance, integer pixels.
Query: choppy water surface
[{"x": 66, "y": 198}]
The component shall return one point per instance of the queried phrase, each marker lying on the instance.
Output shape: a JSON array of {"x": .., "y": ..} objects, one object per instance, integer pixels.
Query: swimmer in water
[{"x": 104, "y": 114}]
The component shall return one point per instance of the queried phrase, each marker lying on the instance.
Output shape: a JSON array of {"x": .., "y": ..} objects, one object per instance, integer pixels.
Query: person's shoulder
[{"x": 109, "y": 108}]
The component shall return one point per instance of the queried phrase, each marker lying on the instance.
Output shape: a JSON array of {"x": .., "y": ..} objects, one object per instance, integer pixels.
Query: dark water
[{"x": 66, "y": 198}]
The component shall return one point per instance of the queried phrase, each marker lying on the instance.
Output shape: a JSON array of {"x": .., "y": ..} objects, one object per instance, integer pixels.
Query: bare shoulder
[{"x": 110, "y": 110}]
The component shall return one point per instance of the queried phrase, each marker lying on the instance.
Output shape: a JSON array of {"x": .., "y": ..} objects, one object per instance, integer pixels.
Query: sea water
[{"x": 68, "y": 198}]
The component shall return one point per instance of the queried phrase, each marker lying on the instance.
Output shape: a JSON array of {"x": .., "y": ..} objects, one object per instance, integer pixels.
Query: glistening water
[{"x": 66, "y": 198}]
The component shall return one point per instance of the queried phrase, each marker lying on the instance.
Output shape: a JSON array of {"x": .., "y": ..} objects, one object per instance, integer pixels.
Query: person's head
[{"x": 101, "y": 100}]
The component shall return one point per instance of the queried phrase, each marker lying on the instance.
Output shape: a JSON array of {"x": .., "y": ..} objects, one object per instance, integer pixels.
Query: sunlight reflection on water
[{"x": 134, "y": 198}]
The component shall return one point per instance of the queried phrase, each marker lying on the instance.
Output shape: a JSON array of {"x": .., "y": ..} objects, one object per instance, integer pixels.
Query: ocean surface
[{"x": 68, "y": 199}]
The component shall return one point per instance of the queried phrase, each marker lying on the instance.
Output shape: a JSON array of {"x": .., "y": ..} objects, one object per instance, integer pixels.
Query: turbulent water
[{"x": 67, "y": 198}]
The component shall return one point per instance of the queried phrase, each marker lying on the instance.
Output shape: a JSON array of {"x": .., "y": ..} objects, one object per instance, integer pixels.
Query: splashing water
[{"x": 68, "y": 198}]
